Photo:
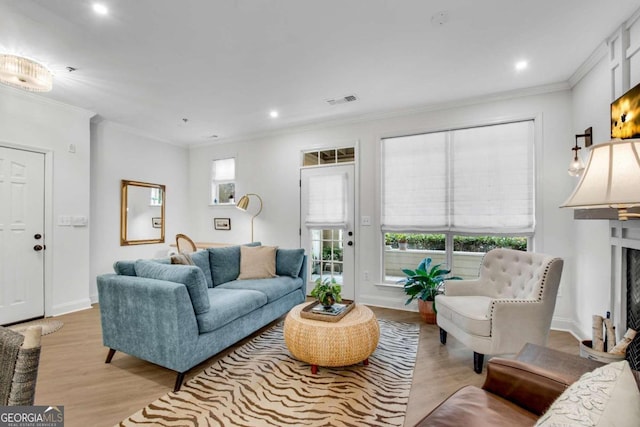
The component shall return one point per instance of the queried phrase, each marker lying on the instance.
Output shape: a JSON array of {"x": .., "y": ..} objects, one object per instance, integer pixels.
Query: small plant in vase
[
  {"x": 327, "y": 292},
  {"x": 423, "y": 284}
]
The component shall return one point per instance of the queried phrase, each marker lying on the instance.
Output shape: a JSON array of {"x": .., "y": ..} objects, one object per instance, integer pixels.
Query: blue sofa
[{"x": 180, "y": 315}]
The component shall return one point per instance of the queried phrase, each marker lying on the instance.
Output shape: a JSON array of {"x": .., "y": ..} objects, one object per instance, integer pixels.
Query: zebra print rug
[{"x": 261, "y": 384}]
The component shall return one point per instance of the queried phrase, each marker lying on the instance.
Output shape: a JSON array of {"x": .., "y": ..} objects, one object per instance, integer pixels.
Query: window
[
  {"x": 223, "y": 186},
  {"x": 328, "y": 156},
  {"x": 455, "y": 195},
  {"x": 155, "y": 198}
]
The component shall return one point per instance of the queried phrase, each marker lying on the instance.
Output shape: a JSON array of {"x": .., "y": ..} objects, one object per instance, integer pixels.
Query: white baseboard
[
  {"x": 567, "y": 325},
  {"x": 386, "y": 302},
  {"x": 70, "y": 307}
]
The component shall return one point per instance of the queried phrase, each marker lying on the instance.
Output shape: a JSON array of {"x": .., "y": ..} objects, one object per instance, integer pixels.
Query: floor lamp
[{"x": 243, "y": 204}]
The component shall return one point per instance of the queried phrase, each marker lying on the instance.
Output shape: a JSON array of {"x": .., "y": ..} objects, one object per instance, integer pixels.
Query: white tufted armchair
[{"x": 510, "y": 304}]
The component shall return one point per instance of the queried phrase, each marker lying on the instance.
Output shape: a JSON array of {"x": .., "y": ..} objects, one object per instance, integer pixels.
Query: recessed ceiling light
[
  {"x": 521, "y": 65},
  {"x": 100, "y": 9},
  {"x": 274, "y": 114}
]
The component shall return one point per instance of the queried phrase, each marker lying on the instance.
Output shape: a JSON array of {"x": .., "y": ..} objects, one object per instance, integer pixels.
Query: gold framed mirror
[{"x": 141, "y": 213}]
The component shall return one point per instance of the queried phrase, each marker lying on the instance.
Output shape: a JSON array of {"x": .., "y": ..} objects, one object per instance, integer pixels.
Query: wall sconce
[
  {"x": 243, "y": 204},
  {"x": 577, "y": 166}
]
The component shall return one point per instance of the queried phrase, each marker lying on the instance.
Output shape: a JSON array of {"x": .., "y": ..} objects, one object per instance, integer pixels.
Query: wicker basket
[{"x": 587, "y": 352}]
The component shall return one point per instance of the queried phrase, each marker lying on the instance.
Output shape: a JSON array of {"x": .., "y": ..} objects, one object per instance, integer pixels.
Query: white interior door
[
  {"x": 21, "y": 235},
  {"x": 328, "y": 239}
]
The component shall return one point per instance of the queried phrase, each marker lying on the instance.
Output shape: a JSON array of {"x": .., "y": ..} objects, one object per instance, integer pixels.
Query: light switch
[
  {"x": 79, "y": 221},
  {"x": 64, "y": 220},
  {"x": 365, "y": 220}
]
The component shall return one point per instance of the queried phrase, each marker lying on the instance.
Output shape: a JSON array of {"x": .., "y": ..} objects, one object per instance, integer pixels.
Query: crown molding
[
  {"x": 368, "y": 117},
  {"x": 596, "y": 56},
  {"x": 32, "y": 96},
  {"x": 100, "y": 121}
]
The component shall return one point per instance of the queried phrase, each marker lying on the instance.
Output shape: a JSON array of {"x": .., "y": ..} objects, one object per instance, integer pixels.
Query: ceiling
[{"x": 224, "y": 65}]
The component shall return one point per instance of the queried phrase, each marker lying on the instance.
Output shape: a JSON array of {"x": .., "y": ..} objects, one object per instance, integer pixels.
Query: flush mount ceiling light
[
  {"x": 100, "y": 9},
  {"x": 25, "y": 73}
]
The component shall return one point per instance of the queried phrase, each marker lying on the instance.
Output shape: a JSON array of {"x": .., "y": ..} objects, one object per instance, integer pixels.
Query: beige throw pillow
[
  {"x": 182, "y": 259},
  {"x": 607, "y": 396},
  {"x": 257, "y": 262}
]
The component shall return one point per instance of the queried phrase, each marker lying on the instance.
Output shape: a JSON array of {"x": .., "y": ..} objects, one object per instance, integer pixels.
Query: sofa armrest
[
  {"x": 148, "y": 318},
  {"x": 529, "y": 386}
]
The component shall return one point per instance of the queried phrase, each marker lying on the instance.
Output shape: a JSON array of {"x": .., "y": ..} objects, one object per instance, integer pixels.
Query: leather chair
[{"x": 510, "y": 304}]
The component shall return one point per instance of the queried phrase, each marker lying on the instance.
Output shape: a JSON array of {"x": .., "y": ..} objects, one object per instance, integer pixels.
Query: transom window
[
  {"x": 223, "y": 186},
  {"x": 328, "y": 156},
  {"x": 456, "y": 194}
]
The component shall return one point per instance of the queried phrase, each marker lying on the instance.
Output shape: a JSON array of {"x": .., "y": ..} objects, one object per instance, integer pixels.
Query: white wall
[
  {"x": 269, "y": 166},
  {"x": 119, "y": 153},
  {"x": 591, "y": 100},
  {"x": 27, "y": 120}
]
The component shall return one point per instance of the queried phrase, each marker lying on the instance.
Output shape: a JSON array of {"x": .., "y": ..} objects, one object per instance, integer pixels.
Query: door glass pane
[
  {"x": 310, "y": 159},
  {"x": 326, "y": 254},
  {"x": 327, "y": 157},
  {"x": 346, "y": 155}
]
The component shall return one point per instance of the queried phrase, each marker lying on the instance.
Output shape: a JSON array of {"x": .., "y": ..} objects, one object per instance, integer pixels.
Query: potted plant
[
  {"x": 423, "y": 284},
  {"x": 327, "y": 292},
  {"x": 402, "y": 242}
]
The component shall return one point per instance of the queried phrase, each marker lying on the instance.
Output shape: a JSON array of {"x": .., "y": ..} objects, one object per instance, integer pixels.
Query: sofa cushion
[
  {"x": 201, "y": 259},
  {"x": 289, "y": 262},
  {"x": 225, "y": 263},
  {"x": 470, "y": 313},
  {"x": 228, "y": 305},
  {"x": 274, "y": 288},
  {"x": 606, "y": 396},
  {"x": 189, "y": 275},
  {"x": 128, "y": 268},
  {"x": 257, "y": 262}
]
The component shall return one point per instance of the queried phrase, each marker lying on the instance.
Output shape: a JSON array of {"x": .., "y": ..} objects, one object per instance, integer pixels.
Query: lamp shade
[
  {"x": 25, "y": 73},
  {"x": 243, "y": 203},
  {"x": 611, "y": 178}
]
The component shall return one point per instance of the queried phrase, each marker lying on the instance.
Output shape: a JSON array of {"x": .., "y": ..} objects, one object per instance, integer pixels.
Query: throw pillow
[
  {"x": 606, "y": 396},
  {"x": 201, "y": 259},
  {"x": 257, "y": 262},
  {"x": 189, "y": 275},
  {"x": 225, "y": 263},
  {"x": 182, "y": 259},
  {"x": 289, "y": 262},
  {"x": 128, "y": 268}
]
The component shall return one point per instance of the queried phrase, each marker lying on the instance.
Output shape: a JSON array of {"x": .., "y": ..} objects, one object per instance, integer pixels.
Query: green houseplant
[
  {"x": 327, "y": 291},
  {"x": 423, "y": 284}
]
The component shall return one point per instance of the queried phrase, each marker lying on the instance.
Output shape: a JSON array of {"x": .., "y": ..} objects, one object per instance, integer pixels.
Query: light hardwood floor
[{"x": 73, "y": 373}]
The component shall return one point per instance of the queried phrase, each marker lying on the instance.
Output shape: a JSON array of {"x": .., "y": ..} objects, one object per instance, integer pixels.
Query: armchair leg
[
  {"x": 478, "y": 359},
  {"x": 179, "y": 380},
  {"x": 110, "y": 355},
  {"x": 443, "y": 336}
]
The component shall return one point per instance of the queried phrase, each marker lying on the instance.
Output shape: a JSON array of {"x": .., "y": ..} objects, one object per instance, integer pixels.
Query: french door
[
  {"x": 21, "y": 235},
  {"x": 328, "y": 238}
]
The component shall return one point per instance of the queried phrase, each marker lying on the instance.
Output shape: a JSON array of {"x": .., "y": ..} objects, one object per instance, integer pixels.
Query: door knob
[
  {"x": 38, "y": 248},
  {"x": 37, "y": 236},
  {"x": 350, "y": 243}
]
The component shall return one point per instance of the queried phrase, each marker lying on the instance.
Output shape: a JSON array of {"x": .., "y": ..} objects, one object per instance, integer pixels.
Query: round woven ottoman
[{"x": 350, "y": 340}]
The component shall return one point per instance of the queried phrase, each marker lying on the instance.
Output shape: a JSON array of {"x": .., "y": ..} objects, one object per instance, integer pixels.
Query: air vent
[{"x": 342, "y": 100}]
